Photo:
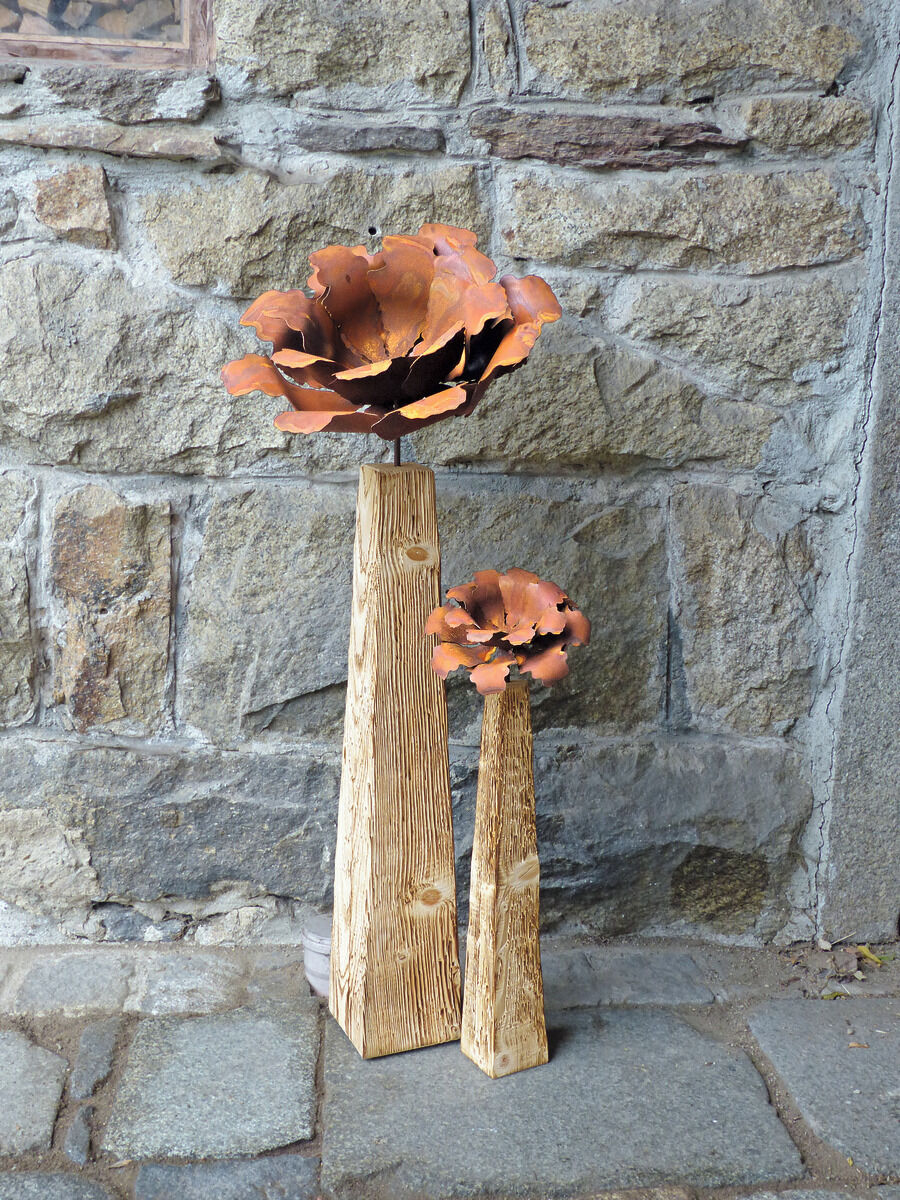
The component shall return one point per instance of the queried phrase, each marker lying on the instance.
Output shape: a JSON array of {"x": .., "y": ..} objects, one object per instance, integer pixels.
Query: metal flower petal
[
  {"x": 406, "y": 336},
  {"x": 501, "y": 620}
]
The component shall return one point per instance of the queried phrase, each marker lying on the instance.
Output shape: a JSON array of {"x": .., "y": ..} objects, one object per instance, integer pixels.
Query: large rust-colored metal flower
[
  {"x": 499, "y": 621},
  {"x": 392, "y": 341}
]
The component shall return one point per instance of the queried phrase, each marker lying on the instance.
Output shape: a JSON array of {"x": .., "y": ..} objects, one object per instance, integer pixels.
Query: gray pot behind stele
[{"x": 316, "y": 939}]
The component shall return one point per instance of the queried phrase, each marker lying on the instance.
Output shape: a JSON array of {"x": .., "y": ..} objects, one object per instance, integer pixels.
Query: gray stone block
[
  {"x": 77, "y": 1142},
  {"x": 861, "y": 875},
  {"x": 31, "y": 1083},
  {"x": 580, "y": 978},
  {"x": 196, "y": 818},
  {"x": 94, "y": 1060},
  {"x": 74, "y": 983},
  {"x": 40, "y": 1185},
  {"x": 839, "y": 1059},
  {"x": 184, "y": 982},
  {"x": 284, "y": 1177},
  {"x": 681, "y": 820},
  {"x": 218, "y": 1087},
  {"x": 602, "y": 1114}
]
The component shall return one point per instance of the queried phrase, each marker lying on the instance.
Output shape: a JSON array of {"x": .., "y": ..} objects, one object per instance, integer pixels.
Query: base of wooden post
[
  {"x": 394, "y": 955},
  {"x": 503, "y": 1027}
]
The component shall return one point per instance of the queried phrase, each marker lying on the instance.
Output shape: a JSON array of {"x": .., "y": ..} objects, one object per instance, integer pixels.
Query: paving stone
[
  {"x": 284, "y": 1177},
  {"x": 74, "y": 983},
  {"x": 31, "y": 1083},
  {"x": 218, "y": 1087},
  {"x": 94, "y": 1060},
  {"x": 77, "y": 1143},
  {"x": 617, "y": 1072},
  {"x": 812, "y": 1194},
  {"x": 849, "y": 1095},
  {"x": 44, "y": 1186},
  {"x": 166, "y": 984},
  {"x": 586, "y": 977}
]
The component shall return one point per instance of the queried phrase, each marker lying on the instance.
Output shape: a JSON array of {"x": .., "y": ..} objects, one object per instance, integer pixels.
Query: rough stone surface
[
  {"x": 825, "y": 124},
  {"x": 611, "y": 975},
  {"x": 333, "y": 133},
  {"x": 111, "y": 570},
  {"x": 769, "y": 340},
  {"x": 94, "y": 1060},
  {"x": 705, "y": 221},
  {"x": 498, "y": 48},
  {"x": 612, "y": 557},
  {"x": 246, "y": 667},
  {"x": 40, "y": 1185},
  {"x": 74, "y": 204},
  {"x": 380, "y": 1116},
  {"x": 44, "y": 866},
  {"x": 133, "y": 97},
  {"x": 217, "y": 1087},
  {"x": 199, "y": 821},
  {"x": 665, "y": 802},
  {"x": 857, "y": 885},
  {"x": 77, "y": 982},
  {"x": 747, "y": 577},
  {"x": 74, "y": 984},
  {"x": 132, "y": 393},
  {"x": 596, "y": 141},
  {"x": 253, "y": 233},
  {"x": 153, "y": 141},
  {"x": 303, "y": 47},
  {"x": 286, "y": 1176},
  {"x": 588, "y": 404},
  {"x": 169, "y": 767},
  {"x": 166, "y": 984},
  {"x": 194, "y": 820},
  {"x": 17, "y": 656},
  {"x": 595, "y": 47},
  {"x": 31, "y": 1083},
  {"x": 846, "y": 1093},
  {"x": 269, "y": 675},
  {"x": 77, "y": 1142}
]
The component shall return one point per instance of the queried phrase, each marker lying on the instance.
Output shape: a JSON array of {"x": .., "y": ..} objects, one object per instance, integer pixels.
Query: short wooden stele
[
  {"x": 394, "y": 954},
  {"x": 503, "y": 1026}
]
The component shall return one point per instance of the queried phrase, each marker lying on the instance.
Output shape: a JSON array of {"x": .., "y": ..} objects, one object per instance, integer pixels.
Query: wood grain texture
[
  {"x": 503, "y": 1028},
  {"x": 395, "y": 981}
]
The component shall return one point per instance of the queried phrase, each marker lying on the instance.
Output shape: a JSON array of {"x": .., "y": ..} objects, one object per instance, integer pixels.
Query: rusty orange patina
[
  {"x": 500, "y": 621},
  {"x": 392, "y": 341}
]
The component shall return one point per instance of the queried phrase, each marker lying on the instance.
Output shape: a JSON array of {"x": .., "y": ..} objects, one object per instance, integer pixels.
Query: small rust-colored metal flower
[
  {"x": 392, "y": 341},
  {"x": 499, "y": 621}
]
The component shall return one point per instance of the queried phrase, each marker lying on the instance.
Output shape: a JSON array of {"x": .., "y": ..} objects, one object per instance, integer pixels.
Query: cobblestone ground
[{"x": 174, "y": 1074}]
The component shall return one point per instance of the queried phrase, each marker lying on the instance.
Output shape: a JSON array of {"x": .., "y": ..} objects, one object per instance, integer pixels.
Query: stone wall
[{"x": 705, "y": 186}]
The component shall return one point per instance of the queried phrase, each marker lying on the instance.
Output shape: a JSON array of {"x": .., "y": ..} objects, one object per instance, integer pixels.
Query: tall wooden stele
[
  {"x": 394, "y": 955},
  {"x": 503, "y": 1027}
]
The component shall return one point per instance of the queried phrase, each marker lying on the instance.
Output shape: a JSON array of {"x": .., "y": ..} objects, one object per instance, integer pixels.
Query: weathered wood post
[
  {"x": 395, "y": 981},
  {"x": 503, "y": 1027}
]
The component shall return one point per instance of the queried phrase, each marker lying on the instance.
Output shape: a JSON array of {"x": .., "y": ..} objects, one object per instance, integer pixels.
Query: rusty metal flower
[
  {"x": 392, "y": 341},
  {"x": 501, "y": 621}
]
